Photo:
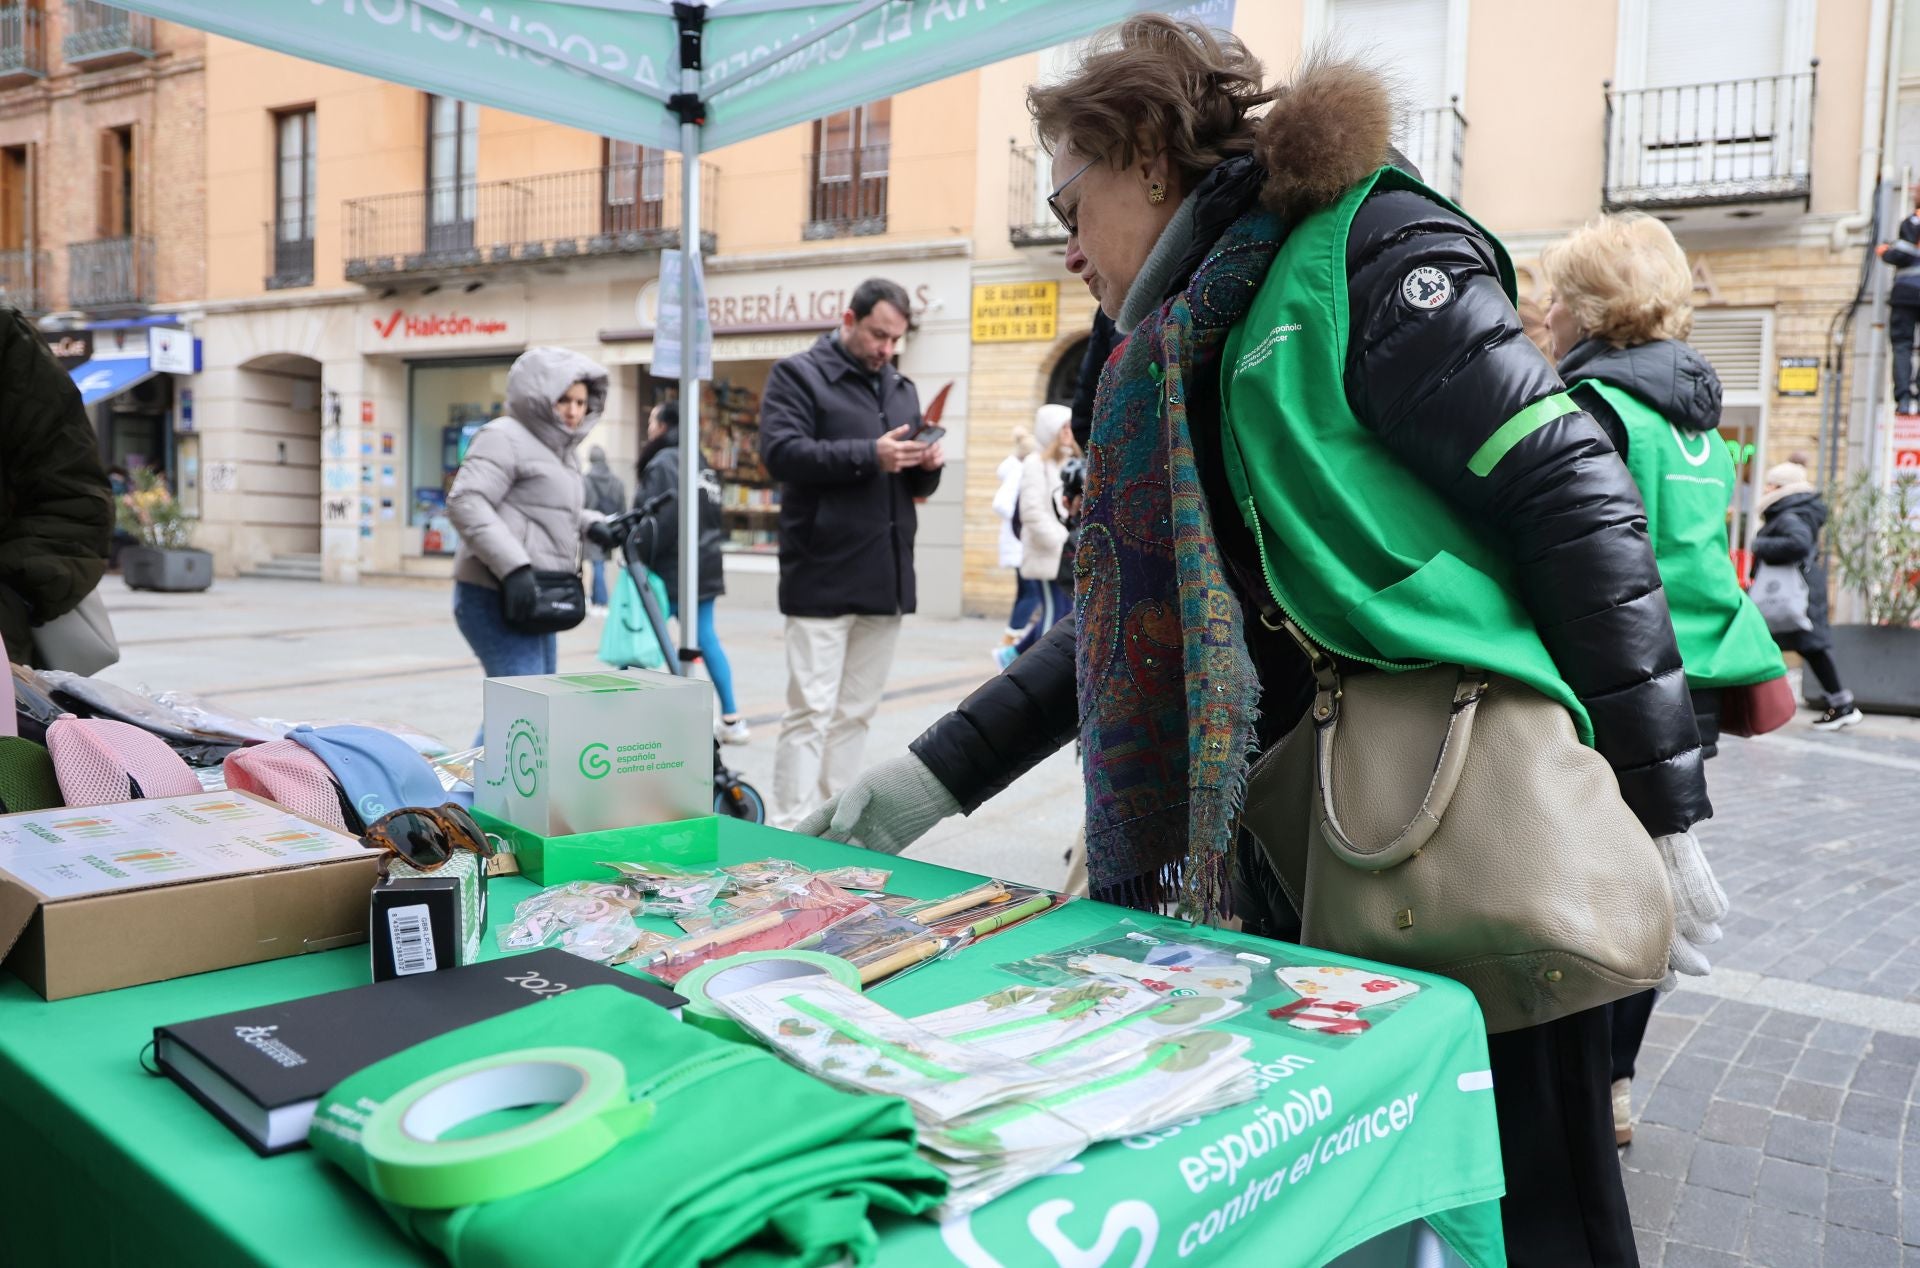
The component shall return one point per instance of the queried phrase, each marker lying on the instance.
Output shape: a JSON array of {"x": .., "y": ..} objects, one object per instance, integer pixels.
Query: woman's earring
[{"x": 1156, "y": 192}]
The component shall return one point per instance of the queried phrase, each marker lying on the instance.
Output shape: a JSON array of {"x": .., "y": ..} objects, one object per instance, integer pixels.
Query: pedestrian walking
[
  {"x": 659, "y": 474},
  {"x": 56, "y": 508},
  {"x": 519, "y": 505},
  {"x": 1006, "y": 505},
  {"x": 836, "y": 429},
  {"x": 1621, "y": 306},
  {"x": 607, "y": 495},
  {"x": 1792, "y": 513},
  {"x": 1419, "y": 474},
  {"x": 1044, "y": 531}
]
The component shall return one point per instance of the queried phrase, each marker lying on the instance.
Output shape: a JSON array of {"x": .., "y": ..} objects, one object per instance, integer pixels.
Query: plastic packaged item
[
  {"x": 882, "y": 945},
  {"x": 546, "y": 917},
  {"x": 763, "y": 872},
  {"x": 858, "y": 877},
  {"x": 801, "y": 915},
  {"x": 1092, "y": 1021},
  {"x": 1186, "y": 964}
]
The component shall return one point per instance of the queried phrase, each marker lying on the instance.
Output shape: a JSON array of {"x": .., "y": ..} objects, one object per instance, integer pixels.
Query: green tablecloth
[{"x": 102, "y": 1163}]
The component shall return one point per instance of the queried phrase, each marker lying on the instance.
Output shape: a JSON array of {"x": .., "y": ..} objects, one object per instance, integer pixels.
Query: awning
[{"x": 98, "y": 379}]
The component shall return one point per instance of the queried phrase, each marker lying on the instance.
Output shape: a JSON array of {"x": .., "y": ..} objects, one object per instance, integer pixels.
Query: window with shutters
[
  {"x": 1712, "y": 101},
  {"x": 453, "y": 165},
  {"x": 13, "y": 198},
  {"x": 22, "y": 268},
  {"x": 1420, "y": 45},
  {"x": 635, "y": 187},
  {"x": 296, "y": 168},
  {"x": 116, "y": 198},
  {"x": 851, "y": 154}
]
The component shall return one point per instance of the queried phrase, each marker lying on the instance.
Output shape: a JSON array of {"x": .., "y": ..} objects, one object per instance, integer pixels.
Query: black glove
[
  {"x": 518, "y": 593},
  {"x": 601, "y": 534}
]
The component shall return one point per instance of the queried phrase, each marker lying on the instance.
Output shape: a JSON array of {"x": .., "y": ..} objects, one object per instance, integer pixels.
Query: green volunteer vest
[
  {"x": 1686, "y": 480},
  {"x": 1371, "y": 562}
]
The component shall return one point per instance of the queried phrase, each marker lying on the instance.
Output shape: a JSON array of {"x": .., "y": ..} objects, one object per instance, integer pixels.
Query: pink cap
[
  {"x": 291, "y": 774},
  {"x": 93, "y": 758}
]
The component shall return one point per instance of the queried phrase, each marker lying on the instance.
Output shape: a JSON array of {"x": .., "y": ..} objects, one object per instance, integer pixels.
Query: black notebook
[{"x": 262, "y": 1070}]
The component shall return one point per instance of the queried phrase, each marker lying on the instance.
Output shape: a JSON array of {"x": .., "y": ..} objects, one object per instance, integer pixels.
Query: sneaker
[
  {"x": 1005, "y": 655},
  {"x": 597, "y": 609},
  {"x": 1834, "y": 719},
  {"x": 1623, "y": 1111},
  {"x": 733, "y": 732}
]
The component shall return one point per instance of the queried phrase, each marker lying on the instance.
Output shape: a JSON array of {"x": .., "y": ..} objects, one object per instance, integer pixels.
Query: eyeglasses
[
  {"x": 1070, "y": 223},
  {"x": 427, "y": 838}
]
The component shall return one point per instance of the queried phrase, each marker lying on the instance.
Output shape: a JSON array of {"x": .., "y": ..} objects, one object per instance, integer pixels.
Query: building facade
[{"x": 356, "y": 263}]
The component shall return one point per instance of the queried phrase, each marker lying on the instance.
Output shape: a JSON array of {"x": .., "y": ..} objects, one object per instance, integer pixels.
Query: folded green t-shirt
[{"x": 744, "y": 1155}]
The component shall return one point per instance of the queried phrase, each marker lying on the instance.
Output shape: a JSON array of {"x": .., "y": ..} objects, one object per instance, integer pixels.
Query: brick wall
[{"x": 163, "y": 99}]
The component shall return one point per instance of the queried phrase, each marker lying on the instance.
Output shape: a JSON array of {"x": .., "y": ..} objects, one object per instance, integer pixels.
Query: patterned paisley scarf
[{"x": 1168, "y": 692}]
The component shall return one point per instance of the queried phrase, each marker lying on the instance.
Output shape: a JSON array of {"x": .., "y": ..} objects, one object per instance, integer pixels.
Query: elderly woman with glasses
[{"x": 1304, "y": 312}]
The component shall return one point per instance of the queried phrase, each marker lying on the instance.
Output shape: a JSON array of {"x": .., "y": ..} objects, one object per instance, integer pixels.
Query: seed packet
[
  {"x": 1179, "y": 963},
  {"x": 1338, "y": 1000}
]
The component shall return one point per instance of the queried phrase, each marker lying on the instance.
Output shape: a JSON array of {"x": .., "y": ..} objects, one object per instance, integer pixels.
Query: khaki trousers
[{"x": 836, "y": 671}]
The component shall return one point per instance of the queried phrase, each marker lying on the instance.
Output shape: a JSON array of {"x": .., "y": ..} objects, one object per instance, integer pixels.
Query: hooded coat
[
  {"x": 1666, "y": 375},
  {"x": 518, "y": 499},
  {"x": 1435, "y": 384},
  {"x": 1790, "y": 534}
]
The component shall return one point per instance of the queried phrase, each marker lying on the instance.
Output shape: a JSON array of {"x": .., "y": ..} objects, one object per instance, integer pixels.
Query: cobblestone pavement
[
  {"x": 1777, "y": 1120},
  {"x": 1776, "y": 1100}
]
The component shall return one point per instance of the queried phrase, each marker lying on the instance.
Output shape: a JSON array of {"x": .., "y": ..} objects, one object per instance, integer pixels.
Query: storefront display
[
  {"x": 730, "y": 436},
  {"x": 447, "y": 403}
]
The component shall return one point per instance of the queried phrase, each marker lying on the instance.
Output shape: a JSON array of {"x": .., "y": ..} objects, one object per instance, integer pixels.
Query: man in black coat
[{"x": 836, "y": 428}]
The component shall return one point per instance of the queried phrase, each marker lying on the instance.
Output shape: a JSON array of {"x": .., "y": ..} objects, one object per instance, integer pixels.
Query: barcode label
[{"x": 411, "y": 931}]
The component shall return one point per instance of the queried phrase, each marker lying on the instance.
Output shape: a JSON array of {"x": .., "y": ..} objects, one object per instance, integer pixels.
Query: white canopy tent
[{"x": 671, "y": 76}]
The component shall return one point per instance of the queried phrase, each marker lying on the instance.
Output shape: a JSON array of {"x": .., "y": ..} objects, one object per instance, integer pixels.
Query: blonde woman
[
  {"x": 1622, "y": 304},
  {"x": 1043, "y": 525}
]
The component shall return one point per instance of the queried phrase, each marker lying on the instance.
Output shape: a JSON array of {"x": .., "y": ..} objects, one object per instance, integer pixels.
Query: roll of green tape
[
  {"x": 412, "y": 1165},
  {"x": 751, "y": 968}
]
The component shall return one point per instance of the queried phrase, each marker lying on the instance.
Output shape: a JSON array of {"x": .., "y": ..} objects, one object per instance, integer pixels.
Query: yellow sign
[
  {"x": 1799, "y": 376},
  {"x": 1016, "y": 311}
]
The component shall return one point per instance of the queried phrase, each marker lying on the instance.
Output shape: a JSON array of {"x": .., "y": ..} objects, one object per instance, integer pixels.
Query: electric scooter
[{"x": 731, "y": 794}]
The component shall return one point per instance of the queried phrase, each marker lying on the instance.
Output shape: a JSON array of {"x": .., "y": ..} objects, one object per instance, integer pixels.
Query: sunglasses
[
  {"x": 1071, "y": 223},
  {"x": 427, "y": 838}
]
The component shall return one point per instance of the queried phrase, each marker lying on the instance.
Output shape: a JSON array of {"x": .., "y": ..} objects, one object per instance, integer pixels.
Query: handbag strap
[{"x": 1410, "y": 838}]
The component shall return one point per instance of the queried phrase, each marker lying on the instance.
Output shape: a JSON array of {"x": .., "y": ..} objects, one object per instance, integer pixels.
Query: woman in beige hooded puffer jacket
[{"x": 517, "y": 503}]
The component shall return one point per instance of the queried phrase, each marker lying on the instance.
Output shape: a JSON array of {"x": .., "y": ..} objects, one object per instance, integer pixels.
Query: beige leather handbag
[{"x": 1450, "y": 820}]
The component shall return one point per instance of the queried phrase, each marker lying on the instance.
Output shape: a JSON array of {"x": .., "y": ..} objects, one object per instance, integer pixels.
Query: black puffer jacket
[
  {"x": 1666, "y": 375},
  {"x": 1434, "y": 385},
  {"x": 659, "y": 474},
  {"x": 56, "y": 507},
  {"x": 1790, "y": 534},
  {"x": 846, "y": 527}
]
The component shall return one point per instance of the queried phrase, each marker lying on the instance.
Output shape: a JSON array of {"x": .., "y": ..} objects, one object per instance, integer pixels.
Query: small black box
[{"x": 414, "y": 926}]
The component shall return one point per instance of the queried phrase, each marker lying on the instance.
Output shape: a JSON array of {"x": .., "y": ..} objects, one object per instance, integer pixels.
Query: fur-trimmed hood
[{"x": 1328, "y": 128}]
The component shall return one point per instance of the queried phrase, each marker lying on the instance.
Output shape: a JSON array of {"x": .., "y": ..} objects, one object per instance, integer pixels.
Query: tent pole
[{"x": 691, "y": 18}]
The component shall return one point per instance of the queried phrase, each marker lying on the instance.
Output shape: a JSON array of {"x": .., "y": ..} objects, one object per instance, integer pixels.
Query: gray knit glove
[
  {"x": 887, "y": 808},
  {"x": 1698, "y": 905}
]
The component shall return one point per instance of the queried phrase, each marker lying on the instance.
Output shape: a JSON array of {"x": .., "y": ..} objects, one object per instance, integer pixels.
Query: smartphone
[{"x": 927, "y": 435}]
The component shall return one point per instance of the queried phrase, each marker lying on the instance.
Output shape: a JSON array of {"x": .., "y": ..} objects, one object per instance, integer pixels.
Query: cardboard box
[
  {"x": 690, "y": 843},
  {"x": 101, "y": 897},
  {"x": 593, "y": 752}
]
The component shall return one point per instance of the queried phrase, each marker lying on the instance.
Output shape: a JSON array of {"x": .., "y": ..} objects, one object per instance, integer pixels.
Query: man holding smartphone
[{"x": 838, "y": 428}]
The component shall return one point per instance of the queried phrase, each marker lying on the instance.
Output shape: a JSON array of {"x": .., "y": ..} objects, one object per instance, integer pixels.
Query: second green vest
[
  {"x": 1370, "y": 560},
  {"x": 1686, "y": 479}
]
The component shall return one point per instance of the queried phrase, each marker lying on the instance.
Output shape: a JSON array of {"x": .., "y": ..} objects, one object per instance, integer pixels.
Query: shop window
[
  {"x": 447, "y": 403},
  {"x": 847, "y": 189},
  {"x": 636, "y": 187},
  {"x": 116, "y": 187},
  {"x": 453, "y": 164}
]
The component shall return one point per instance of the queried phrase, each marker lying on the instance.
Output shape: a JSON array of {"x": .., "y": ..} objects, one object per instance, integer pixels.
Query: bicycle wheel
[{"x": 740, "y": 800}]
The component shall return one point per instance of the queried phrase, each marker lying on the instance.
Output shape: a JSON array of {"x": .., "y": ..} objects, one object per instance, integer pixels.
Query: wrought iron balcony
[
  {"x": 617, "y": 209},
  {"x": 289, "y": 255},
  {"x": 102, "y": 34},
  {"x": 1435, "y": 141},
  {"x": 23, "y": 44},
  {"x": 23, "y": 280},
  {"x": 847, "y": 192},
  {"x": 110, "y": 273},
  {"x": 1696, "y": 145},
  {"x": 1029, "y": 181}
]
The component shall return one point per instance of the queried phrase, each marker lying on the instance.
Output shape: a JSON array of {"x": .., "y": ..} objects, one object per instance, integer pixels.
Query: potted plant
[
  {"x": 1874, "y": 539},
  {"x": 163, "y": 557}
]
